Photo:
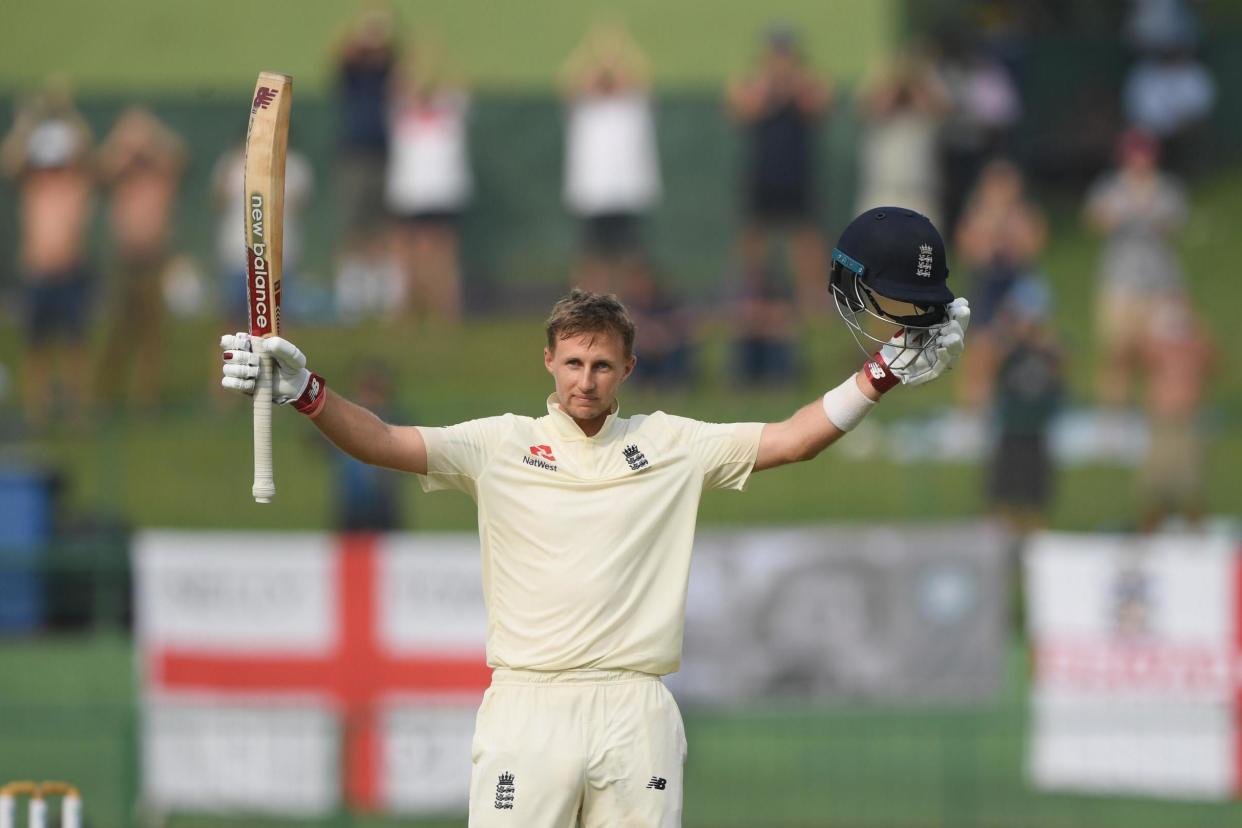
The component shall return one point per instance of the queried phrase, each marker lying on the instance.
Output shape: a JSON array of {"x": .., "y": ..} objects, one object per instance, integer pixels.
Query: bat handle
[
  {"x": 264, "y": 486},
  {"x": 71, "y": 812}
]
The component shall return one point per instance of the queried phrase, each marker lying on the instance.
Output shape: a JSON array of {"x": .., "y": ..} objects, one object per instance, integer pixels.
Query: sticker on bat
[{"x": 263, "y": 98}]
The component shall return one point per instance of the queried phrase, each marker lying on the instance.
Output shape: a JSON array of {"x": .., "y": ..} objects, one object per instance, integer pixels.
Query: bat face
[{"x": 266, "y": 140}]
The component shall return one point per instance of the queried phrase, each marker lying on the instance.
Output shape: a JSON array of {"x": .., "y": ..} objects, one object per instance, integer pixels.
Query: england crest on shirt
[{"x": 634, "y": 457}]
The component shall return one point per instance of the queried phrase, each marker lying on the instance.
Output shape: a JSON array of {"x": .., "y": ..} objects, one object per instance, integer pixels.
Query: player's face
[{"x": 588, "y": 369}]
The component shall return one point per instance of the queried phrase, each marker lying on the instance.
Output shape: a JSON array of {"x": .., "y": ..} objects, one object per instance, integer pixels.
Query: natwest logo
[
  {"x": 263, "y": 96},
  {"x": 541, "y": 458}
]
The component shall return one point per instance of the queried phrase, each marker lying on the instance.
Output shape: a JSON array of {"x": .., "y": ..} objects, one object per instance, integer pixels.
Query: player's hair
[{"x": 583, "y": 312}]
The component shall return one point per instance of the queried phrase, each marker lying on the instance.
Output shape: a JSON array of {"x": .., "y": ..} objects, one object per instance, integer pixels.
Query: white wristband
[{"x": 846, "y": 405}]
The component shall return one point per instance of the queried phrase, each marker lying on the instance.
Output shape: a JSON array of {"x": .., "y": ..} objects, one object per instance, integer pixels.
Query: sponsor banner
[
  {"x": 431, "y": 593},
  {"x": 427, "y": 757},
  {"x": 328, "y": 670},
  {"x": 1137, "y": 664},
  {"x": 261, "y": 757},
  {"x": 236, "y": 592},
  {"x": 896, "y": 613}
]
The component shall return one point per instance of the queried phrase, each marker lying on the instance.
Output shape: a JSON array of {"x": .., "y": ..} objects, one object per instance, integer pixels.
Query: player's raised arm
[
  {"x": 811, "y": 429},
  {"x": 888, "y": 269},
  {"x": 352, "y": 428},
  {"x": 360, "y": 433},
  {"x": 822, "y": 422}
]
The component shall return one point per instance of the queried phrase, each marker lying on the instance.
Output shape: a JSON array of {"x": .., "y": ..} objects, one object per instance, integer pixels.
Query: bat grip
[
  {"x": 264, "y": 486},
  {"x": 71, "y": 812}
]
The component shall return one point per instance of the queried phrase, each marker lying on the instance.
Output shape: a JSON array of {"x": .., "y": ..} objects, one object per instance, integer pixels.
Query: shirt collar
[{"x": 568, "y": 428}]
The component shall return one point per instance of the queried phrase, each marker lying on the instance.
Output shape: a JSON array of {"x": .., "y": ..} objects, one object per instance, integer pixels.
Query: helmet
[{"x": 890, "y": 264}]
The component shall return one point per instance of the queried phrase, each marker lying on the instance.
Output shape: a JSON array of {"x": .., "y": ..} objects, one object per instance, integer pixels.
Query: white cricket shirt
[{"x": 586, "y": 540}]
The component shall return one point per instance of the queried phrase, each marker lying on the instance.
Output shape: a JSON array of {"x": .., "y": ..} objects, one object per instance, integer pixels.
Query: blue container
[{"x": 25, "y": 529}]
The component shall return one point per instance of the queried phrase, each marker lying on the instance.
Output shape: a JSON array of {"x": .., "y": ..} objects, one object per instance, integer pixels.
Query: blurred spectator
[
  {"x": 998, "y": 240},
  {"x": 764, "y": 325},
  {"x": 1170, "y": 95},
  {"x": 1138, "y": 209},
  {"x": 664, "y": 342},
  {"x": 780, "y": 105},
  {"x": 48, "y": 154},
  {"x": 228, "y": 184},
  {"x": 1028, "y": 369},
  {"x": 142, "y": 162},
  {"x": 428, "y": 187},
  {"x": 1155, "y": 25},
  {"x": 612, "y": 174},
  {"x": 985, "y": 107},
  {"x": 1180, "y": 360},
  {"x": 368, "y": 498},
  {"x": 365, "y": 61},
  {"x": 902, "y": 105}
]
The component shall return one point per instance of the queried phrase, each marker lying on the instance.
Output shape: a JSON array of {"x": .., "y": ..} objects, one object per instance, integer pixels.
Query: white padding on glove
[
  {"x": 914, "y": 361},
  {"x": 241, "y": 365}
]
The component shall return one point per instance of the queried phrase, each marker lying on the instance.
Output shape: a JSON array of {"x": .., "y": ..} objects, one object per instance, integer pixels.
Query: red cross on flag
[{"x": 281, "y": 671}]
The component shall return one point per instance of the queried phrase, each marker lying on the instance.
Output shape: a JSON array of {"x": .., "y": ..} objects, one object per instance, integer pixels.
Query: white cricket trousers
[{"x": 589, "y": 748}]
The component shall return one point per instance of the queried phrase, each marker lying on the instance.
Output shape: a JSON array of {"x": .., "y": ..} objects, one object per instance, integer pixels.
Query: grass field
[
  {"x": 188, "y": 466},
  {"x": 142, "y": 45}
]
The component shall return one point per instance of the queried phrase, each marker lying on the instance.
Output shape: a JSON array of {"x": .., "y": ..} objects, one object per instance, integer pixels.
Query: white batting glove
[
  {"x": 909, "y": 360},
  {"x": 294, "y": 384}
]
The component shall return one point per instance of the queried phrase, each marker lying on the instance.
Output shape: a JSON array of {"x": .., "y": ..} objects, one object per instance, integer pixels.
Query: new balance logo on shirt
[{"x": 657, "y": 783}]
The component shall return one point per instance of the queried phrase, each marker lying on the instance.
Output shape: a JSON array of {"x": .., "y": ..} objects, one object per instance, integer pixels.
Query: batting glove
[
  {"x": 295, "y": 385},
  {"x": 916, "y": 357}
]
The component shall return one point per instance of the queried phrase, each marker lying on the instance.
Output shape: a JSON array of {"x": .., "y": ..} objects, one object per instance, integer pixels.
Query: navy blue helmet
[{"x": 890, "y": 264}]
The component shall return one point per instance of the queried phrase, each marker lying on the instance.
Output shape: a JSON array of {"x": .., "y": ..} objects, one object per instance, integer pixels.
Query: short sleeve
[
  {"x": 725, "y": 451},
  {"x": 458, "y": 454}
]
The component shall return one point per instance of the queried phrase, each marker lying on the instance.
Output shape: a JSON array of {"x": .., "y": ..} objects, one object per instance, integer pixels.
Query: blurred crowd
[{"x": 938, "y": 128}]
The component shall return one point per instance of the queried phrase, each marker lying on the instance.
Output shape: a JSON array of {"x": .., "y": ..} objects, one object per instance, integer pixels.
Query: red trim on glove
[
  {"x": 876, "y": 370},
  {"x": 311, "y": 401}
]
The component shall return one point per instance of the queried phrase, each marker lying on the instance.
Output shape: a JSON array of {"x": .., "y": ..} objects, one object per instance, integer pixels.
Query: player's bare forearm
[
  {"x": 805, "y": 434},
  {"x": 361, "y": 434}
]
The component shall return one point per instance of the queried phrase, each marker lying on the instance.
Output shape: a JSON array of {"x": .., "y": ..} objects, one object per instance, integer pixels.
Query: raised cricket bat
[{"x": 267, "y": 141}]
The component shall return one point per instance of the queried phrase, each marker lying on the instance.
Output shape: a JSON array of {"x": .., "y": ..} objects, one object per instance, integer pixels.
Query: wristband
[
  {"x": 313, "y": 395},
  {"x": 877, "y": 372},
  {"x": 846, "y": 405}
]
